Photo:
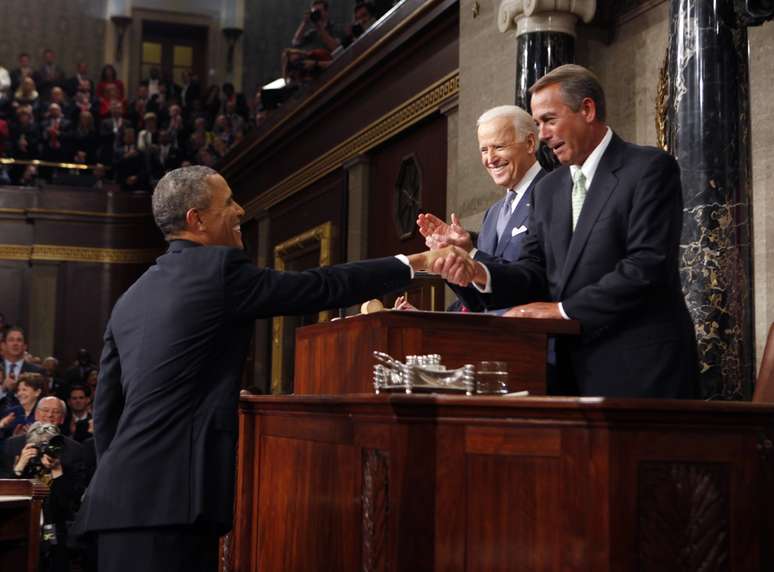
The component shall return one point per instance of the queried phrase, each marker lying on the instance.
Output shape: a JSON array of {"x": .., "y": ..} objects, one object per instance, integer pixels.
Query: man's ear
[
  {"x": 193, "y": 221},
  {"x": 531, "y": 143},
  {"x": 589, "y": 109}
]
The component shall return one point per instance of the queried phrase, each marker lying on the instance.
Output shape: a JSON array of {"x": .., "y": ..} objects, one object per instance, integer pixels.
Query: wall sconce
[
  {"x": 121, "y": 23},
  {"x": 232, "y": 36}
]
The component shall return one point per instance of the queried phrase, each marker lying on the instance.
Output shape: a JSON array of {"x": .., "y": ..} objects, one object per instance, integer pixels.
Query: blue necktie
[{"x": 505, "y": 213}]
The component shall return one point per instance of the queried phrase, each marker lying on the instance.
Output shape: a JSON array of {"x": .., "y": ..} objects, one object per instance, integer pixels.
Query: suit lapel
[
  {"x": 487, "y": 240},
  {"x": 602, "y": 186},
  {"x": 562, "y": 215}
]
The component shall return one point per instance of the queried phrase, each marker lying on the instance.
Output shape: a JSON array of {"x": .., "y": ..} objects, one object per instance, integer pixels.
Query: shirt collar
[
  {"x": 524, "y": 183},
  {"x": 591, "y": 163}
]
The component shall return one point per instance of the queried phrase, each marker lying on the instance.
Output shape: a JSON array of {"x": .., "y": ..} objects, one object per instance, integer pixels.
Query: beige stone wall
[
  {"x": 761, "y": 41},
  {"x": 487, "y": 78},
  {"x": 629, "y": 70}
]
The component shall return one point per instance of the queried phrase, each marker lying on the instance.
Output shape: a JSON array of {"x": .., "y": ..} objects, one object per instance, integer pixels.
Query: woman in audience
[
  {"x": 109, "y": 78},
  {"x": 28, "y": 392},
  {"x": 85, "y": 136},
  {"x": 27, "y": 96}
]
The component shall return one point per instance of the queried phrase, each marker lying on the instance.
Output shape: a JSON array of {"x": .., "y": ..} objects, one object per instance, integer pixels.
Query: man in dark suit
[
  {"x": 164, "y": 417},
  {"x": 602, "y": 248},
  {"x": 507, "y": 140},
  {"x": 14, "y": 348}
]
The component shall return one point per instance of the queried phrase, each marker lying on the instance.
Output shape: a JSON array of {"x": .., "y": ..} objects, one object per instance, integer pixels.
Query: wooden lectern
[{"x": 337, "y": 357}]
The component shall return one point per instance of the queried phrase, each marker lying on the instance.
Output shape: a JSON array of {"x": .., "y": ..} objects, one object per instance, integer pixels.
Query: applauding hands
[{"x": 439, "y": 233}]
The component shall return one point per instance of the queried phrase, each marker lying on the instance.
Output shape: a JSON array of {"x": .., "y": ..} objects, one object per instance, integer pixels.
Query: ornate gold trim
[
  {"x": 400, "y": 118},
  {"x": 39, "y": 163},
  {"x": 662, "y": 103},
  {"x": 322, "y": 235},
  {"x": 61, "y": 212},
  {"x": 56, "y": 253}
]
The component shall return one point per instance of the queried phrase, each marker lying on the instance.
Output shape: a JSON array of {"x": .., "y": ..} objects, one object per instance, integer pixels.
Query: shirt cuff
[
  {"x": 473, "y": 252},
  {"x": 563, "y": 313},
  {"x": 487, "y": 288},
  {"x": 404, "y": 259}
]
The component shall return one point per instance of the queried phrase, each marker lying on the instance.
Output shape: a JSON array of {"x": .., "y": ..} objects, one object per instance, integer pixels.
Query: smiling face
[
  {"x": 503, "y": 155},
  {"x": 220, "y": 221},
  {"x": 572, "y": 135},
  {"x": 26, "y": 394}
]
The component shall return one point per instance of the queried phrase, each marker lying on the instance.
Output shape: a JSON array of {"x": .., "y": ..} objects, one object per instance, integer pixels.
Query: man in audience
[
  {"x": 316, "y": 31},
  {"x": 49, "y": 74},
  {"x": 77, "y": 422},
  {"x": 164, "y": 414},
  {"x": 82, "y": 74},
  {"x": 76, "y": 375},
  {"x": 23, "y": 70},
  {"x": 55, "y": 130},
  {"x": 364, "y": 16},
  {"x": 14, "y": 349},
  {"x": 111, "y": 132},
  {"x": 602, "y": 248},
  {"x": 507, "y": 140}
]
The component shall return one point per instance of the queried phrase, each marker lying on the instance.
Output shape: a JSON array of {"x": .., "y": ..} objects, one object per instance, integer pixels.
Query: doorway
[{"x": 175, "y": 49}]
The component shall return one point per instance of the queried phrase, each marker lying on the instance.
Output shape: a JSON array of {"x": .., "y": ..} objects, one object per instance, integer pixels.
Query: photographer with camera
[
  {"x": 316, "y": 32},
  {"x": 363, "y": 17}
]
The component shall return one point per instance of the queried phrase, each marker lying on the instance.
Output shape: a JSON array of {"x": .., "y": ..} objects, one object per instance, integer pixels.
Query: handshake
[{"x": 448, "y": 256}]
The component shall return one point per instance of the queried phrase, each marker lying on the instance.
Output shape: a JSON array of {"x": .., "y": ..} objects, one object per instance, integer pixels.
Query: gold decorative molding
[
  {"x": 318, "y": 237},
  {"x": 662, "y": 103},
  {"x": 412, "y": 111},
  {"x": 41, "y": 163},
  {"x": 56, "y": 253},
  {"x": 63, "y": 212}
]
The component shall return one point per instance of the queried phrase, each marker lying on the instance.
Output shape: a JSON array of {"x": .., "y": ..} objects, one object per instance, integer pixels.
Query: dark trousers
[{"x": 165, "y": 549}]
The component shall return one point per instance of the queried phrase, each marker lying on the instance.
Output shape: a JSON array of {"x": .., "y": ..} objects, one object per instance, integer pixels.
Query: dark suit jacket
[
  {"x": 164, "y": 422},
  {"x": 617, "y": 273},
  {"x": 507, "y": 249},
  {"x": 26, "y": 368}
]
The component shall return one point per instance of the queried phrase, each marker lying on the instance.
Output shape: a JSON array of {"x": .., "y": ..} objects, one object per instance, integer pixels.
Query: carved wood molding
[
  {"x": 56, "y": 253},
  {"x": 407, "y": 114},
  {"x": 683, "y": 513},
  {"x": 375, "y": 502}
]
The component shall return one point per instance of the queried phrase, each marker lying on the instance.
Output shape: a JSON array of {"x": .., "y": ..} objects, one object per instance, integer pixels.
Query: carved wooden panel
[
  {"x": 683, "y": 516},
  {"x": 375, "y": 500}
]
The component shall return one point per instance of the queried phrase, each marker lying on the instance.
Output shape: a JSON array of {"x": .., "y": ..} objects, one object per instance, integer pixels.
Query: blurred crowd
[{"x": 82, "y": 120}]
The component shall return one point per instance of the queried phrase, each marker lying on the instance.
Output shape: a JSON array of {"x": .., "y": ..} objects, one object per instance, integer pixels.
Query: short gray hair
[
  {"x": 522, "y": 121},
  {"x": 177, "y": 192},
  {"x": 576, "y": 84}
]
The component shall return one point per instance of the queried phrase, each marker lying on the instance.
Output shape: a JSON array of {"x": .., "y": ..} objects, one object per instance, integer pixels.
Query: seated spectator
[
  {"x": 364, "y": 17},
  {"x": 110, "y": 97},
  {"x": 48, "y": 75},
  {"x": 28, "y": 390},
  {"x": 221, "y": 129},
  {"x": 27, "y": 96},
  {"x": 111, "y": 134},
  {"x": 76, "y": 375},
  {"x": 72, "y": 84},
  {"x": 148, "y": 139},
  {"x": 170, "y": 155},
  {"x": 236, "y": 121},
  {"x": 200, "y": 137},
  {"x": 5, "y": 90},
  {"x": 25, "y": 137},
  {"x": 108, "y": 78},
  {"x": 212, "y": 101},
  {"x": 55, "y": 130},
  {"x": 316, "y": 31},
  {"x": 84, "y": 137},
  {"x": 77, "y": 423},
  {"x": 58, "y": 96},
  {"x": 24, "y": 69}
]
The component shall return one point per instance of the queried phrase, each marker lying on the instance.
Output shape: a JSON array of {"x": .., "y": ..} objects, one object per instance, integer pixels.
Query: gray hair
[
  {"x": 54, "y": 398},
  {"x": 177, "y": 192},
  {"x": 522, "y": 121},
  {"x": 576, "y": 84}
]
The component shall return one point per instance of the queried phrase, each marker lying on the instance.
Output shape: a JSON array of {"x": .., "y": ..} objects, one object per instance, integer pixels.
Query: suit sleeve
[
  {"x": 109, "y": 399},
  {"x": 651, "y": 250},
  {"x": 254, "y": 292}
]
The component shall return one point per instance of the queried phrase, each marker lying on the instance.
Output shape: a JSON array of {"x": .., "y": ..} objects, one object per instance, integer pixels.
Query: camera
[
  {"x": 53, "y": 448},
  {"x": 315, "y": 15}
]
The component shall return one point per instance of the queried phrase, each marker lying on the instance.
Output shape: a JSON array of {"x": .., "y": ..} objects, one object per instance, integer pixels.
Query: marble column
[
  {"x": 545, "y": 39},
  {"x": 708, "y": 133},
  {"x": 545, "y": 36}
]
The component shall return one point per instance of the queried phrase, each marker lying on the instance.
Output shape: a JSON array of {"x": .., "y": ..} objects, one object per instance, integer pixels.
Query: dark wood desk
[
  {"x": 337, "y": 357},
  {"x": 21, "y": 502},
  {"x": 415, "y": 483}
]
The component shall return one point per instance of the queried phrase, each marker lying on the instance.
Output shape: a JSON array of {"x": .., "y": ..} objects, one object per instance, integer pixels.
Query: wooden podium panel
[
  {"x": 21, "y": 502},
  {"x": 431, "y": 483},
  {"x": 337, "y": 357}
]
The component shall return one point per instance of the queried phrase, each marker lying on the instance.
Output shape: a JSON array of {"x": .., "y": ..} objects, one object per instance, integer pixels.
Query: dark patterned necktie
[{"x": 505, "y": 213}]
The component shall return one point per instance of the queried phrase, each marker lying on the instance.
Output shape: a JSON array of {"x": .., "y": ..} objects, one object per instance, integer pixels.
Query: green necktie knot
[{"x": 578, "y": 195}]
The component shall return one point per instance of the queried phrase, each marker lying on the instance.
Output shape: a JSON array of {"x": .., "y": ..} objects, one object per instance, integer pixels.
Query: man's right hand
[
  {"x": 439, "y": 233},
  {"x": 26, "y": 454},
  {"x": 457, "y": 267}
]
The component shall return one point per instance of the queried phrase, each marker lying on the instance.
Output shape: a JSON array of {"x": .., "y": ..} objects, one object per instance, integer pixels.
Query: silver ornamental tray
[{"x": 421, "y": 373}]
